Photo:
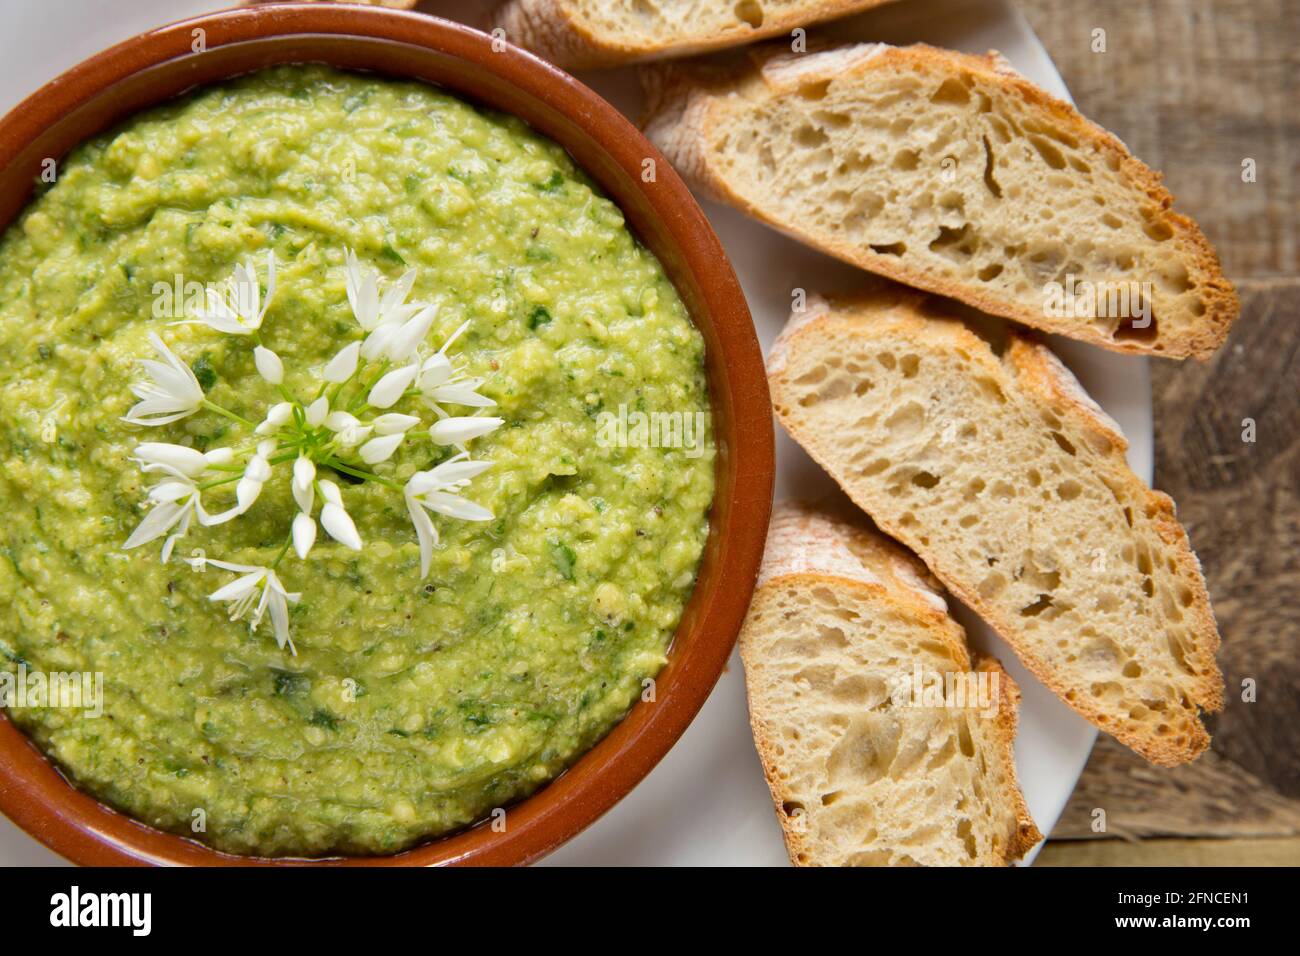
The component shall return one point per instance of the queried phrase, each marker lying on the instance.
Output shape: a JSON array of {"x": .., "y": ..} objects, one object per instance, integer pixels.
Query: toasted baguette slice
[
  {"x": 1011, "y": 484},
  {"x": 953, "y": 174},
  {"x": 584, "y": 34},
  {"x": 865, "y": 770}
]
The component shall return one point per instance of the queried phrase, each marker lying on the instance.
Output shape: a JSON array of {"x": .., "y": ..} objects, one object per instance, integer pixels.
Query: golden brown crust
[
  {"x": 686, "y": 106},
  {"x": 1007, "y": 720},
  {"x": 557, "y": 31},
  {"x": 1027, "y": 370}
]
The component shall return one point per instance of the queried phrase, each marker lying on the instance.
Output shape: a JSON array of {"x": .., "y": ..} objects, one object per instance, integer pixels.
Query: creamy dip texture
[{"x": 413, "y": 705}]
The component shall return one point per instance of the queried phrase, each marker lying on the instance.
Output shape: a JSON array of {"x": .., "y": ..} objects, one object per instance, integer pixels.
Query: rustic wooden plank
[
  {"x": 1279, "y": 852},
  {"x": 1213, "y": 797}
]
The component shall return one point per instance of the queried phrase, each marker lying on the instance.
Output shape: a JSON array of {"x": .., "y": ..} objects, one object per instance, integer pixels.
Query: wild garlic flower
[
  {"x": 434, "y": 490},
  {"x": 238, "y": 309},
  {"x": 458, "y": 431},
  {"x": 177, "y": 499},
  {"x": 173, "y": 394},
  {"x": 334, "y": 519},
  {"x": 349, "y": 427},
  {"x": 256, "y": 590},
  {"x": 268, "y": 365},
  {"x": 441, "y": 384},
  {"x": 368, "y": 308}
]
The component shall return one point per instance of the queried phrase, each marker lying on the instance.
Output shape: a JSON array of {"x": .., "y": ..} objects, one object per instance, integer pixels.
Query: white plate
[{"x": 706, "y": 803}]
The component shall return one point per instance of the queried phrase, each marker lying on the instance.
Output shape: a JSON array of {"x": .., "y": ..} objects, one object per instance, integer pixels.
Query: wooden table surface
[{"x": 1196, "y": 88}]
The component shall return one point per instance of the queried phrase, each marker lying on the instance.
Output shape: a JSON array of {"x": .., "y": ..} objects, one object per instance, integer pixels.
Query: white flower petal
[
  {"x": 462, "y": 393},
  {"x": 276, "y": 416},
  {"x": 380, "y": 449},
  {"x": 341, "y": 367},
  {"x": 457, "y": 471},
  {"x": 363, "y": 291},
  {"x": 170, "y": 491},
  {"x": 219, "y": 314},
  {"x": 179, "y": 458},
  {"x": 268, "y": 365},
  {"x": 240, "y": 587},
  {"x": 396, "y": 293},
  {"x": 304, "y": 473},
  {"x": 317, "y": 411},
  {"x": 221, "y": 517},
  {"x": 257, "y": 469},
  {"x": 454, "y": 506},
  {"x": 353, "y": 435},
  {"x": 170, "y": 544},
  {"x": 392, "y": 386},
  {"x": 460, "y": 330},
  {"x": 425, "y": 532},
  {"x": 238, "y": 309},
  {"x": 457, "y": 431},
  {"x": 155, "y": 524},
  {"x": 340, "y": 420},
  {"x": 330, "y": 492},
  {"x": 246, "y": 492},
  {"x": 339, "y": 526},
  {"x": 304, "y": 497},
  {"x": 394, "y": 422},
  {"x": 173, "y": 394},
  {"x": 245, "y": 290},
  {"x": 376, "y": 343},
  {"x": 304, "y": 533},
  {"x": 220, "y": 456},
  {"x": 402, "y": 343},
  {"x": 435, "y": 371},
  {"x": 270, "y": 285},
  {"x": 149, "y": 414},
  {"x": 200, "y": 564},
  {"x": 280, "y": 622}
]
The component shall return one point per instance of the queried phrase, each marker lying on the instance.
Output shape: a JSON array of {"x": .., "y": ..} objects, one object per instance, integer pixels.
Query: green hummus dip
[{"x": 414, "y": 705}]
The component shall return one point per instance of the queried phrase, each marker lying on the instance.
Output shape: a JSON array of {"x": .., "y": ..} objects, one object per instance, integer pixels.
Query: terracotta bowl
[{"x": 159, "y": 65}]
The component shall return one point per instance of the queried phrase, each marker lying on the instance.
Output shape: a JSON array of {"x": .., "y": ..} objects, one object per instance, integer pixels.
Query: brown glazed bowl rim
[{"x": 156, "y": 66}]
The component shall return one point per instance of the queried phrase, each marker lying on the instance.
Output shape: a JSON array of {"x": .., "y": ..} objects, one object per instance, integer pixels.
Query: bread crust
[
  {"x": 556, "y": 31},
  {"x": 809, "y": 548},
  {"x": 686, "y": 106},
  {"x": 1032, "y": 368}
]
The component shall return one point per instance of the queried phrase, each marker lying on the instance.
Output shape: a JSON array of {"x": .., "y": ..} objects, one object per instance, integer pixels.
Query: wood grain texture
[
  {"x": 1283, "y": 852},
  {"x": 1194, "y": 88}
]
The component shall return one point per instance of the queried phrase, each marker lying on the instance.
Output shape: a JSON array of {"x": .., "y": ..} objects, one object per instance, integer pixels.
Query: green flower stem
[
  {"x": 358, "y": 399},
  {"x": 220, "y": 481},
  {"x": 359, "y": 473},
  {"x": 214, "y": 407},
  {"x": 284, "y": 549}
]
